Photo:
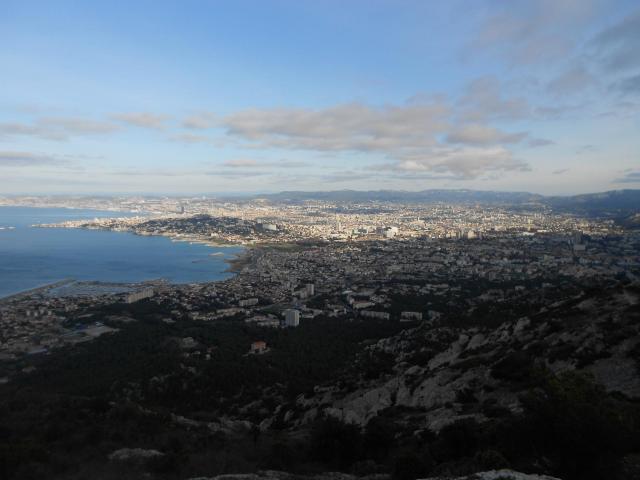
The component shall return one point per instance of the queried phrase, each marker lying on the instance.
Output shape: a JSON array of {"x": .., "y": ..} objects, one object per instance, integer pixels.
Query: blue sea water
[{"x": 31, "y": 257}]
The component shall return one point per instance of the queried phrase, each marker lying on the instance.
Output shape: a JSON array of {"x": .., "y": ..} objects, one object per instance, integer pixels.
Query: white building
[
  {"x": 361, "y": 305},
  {"x": 248, "y": 302},
  {"x": 390, "y": 232},
  {"x": 377, "y": 315},
  {"x": 409, "y": 316},
  {"x": 291, "y": 318},
  {"x": 137, "y": 296}
]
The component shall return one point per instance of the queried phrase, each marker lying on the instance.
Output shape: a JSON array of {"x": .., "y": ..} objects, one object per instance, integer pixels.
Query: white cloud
[
  {"x": 256, "y": 164},
  {"x": 190, "y": 138},
  {"x": 58, "y": 128},
  {"x": 142, "y": 119},
  {"x": 616, "y": 48},
  {"x": 200, "y": 121},
  {"x": 408, "y": 135},
  {"x": 464, "y": 163},
  {"x": 571, "y": 81},
  {"x": 527, "y": 32},
  {"x": 26, "y": 159},
  {"x": 629, "y": 177},
  {"x": 628, "y": 85},
  {"x": 475, "y": 134},
  {"x": 349, "y": 127},
  {"x": 241, "y": 163},
  {"x": 484, "y": 100},
  {"x": 540, "y": 142}
]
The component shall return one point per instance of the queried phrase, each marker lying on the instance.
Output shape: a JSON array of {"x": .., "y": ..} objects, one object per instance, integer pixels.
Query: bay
[{"x": 31, "y": 257}]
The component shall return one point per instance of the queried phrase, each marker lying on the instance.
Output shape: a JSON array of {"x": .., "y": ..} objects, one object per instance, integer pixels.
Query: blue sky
[{"x": 260, "y": 96}]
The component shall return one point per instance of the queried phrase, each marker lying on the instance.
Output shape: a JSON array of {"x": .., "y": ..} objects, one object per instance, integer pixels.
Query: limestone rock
[
  {"x": 498, "y": 475},
  {"x": 134, "y": 455}
]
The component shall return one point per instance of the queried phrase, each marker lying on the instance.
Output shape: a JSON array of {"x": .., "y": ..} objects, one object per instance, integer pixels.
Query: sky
[{"x": 238, "y": 96}]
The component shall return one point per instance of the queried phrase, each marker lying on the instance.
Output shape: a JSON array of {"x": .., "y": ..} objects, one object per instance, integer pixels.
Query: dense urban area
[{"x": 395, "y": 338}]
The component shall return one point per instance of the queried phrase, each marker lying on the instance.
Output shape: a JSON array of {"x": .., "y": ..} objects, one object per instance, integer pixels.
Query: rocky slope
[
  {"x": 441, "y": 374},
  {"x": 275, "y": 475}
]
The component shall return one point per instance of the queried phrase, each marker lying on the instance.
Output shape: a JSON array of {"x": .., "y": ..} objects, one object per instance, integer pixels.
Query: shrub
[
  {"x": 374, "y": 364},
  {"x": 378, "y": 438},
  {"x": 409, "y": 466},
  {"x": 336, "y": 443},
  {"x": 574, "y": 423},
  {"x": 457, "y": 440},
  {"x": 491, "y": 460},
  {"x": 515, "y": 367}
]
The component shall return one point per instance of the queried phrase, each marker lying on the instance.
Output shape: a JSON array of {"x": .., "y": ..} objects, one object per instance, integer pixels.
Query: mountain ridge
[{"x": 611, "y": 202}]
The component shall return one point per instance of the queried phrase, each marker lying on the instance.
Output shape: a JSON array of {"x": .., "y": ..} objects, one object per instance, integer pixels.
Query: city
[
  {"x": 459, "y": 275},
  {"x": 320, "y": 240},
  {"x": 347, "y": 263}
]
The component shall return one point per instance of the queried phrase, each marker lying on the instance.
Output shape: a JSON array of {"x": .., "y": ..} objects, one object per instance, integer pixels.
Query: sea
[{"x": 31, "y": 257}]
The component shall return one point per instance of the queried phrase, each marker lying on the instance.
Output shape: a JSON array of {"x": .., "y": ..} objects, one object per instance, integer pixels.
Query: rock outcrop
[
  {"x": 498, "y": 475},
  {"x": 134, "y": 455},
  {"x": 276, "y": 475},
  {"x": 443, "y": 373}
]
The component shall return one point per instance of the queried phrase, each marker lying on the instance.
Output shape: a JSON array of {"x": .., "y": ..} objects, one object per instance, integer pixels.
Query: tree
[
  {"x": 336, "y": 443},
  {"x": 572, "y": 421}
]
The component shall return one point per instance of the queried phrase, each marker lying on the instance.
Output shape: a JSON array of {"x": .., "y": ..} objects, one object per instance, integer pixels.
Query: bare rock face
[
  {"x": 134, "y": 455},
  {"x": 275, "y": 475},
  {"x": 498, "y": 475},
  {"x": 450, "y": 373}
]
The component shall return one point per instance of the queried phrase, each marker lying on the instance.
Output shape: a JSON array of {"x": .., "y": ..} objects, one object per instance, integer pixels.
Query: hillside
[
  {"x": 539, "y": 388},
  {"x": 610, "y": 203},
  {"x": 522, "y": 379},
  {"x": 424, "y": 196}
]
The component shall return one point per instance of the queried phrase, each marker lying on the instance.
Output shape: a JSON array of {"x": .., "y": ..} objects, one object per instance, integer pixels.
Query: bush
[
  {"x": 366, "y": 467},
  {"x": 281, "y": 457},
  {"x": 336, "y": 443},
  {"x": 375, "y": 363},
  {"x": 378, "y": 438},
  {"x": 491, "y": 460},
  {"x": 409, "y": 466},
  {"x": 457, "y": 440},
  {"x": 574, "y": 423},
  {"x": 515, "y": 367}
]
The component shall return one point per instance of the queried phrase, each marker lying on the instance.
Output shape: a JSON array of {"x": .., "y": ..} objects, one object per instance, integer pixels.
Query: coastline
[
  {"x": 220, "y": 262},
  {"x": 235, "y": 263},
  {"x": 206, "y": 241},
  {"x": 67, "y": 207},
  {"x": 193, "y": 240},
  {"x": 36, "y": 290},
  {"x": 240, "y": 260}
]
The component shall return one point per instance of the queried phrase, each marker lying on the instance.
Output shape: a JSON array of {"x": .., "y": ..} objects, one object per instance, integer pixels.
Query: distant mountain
[
  {"x": 613, "y": 203},
  {"x": 424, "y": 196}
]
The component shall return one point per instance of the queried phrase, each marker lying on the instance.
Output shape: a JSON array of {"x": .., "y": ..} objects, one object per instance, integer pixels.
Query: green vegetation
[
  {"x": 124, "y": 390},
  {"x": 569, "y": 428},
  {"x": 82, "y": 403}
]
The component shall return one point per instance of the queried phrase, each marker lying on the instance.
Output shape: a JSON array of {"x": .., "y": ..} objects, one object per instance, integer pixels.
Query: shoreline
[
  {"x": 36, "y": 290},
  {"x": 49, "y": 206},
  {"x": 240, "y": 260},
  {"x": 177, "y": 238},
  {"x": 228, "y": 271}
]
